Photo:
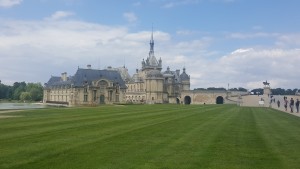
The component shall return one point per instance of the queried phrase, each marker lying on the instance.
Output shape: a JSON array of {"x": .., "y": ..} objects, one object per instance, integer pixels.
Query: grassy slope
[{"x": 151, "y": 136}]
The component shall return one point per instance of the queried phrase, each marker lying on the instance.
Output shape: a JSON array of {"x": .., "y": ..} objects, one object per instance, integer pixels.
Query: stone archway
[
  {"x": 187, "y": 100},
  {"x": 219, "y": 100}
]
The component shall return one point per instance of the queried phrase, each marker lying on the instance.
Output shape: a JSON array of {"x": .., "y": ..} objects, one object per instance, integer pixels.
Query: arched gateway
[
  {"x": 187, "y": 100},
  {"x": 219, "y": 100}
]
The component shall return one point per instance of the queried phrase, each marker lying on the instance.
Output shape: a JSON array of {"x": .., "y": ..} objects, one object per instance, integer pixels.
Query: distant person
[
  {"x": 285, "y": 103},
  {"x": 278, "y": 103},
  {"x": 297, "y": 105},
  {"x": 292, "y": 105}
]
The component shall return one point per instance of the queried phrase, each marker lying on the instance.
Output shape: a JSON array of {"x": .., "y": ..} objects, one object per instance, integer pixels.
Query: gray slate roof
[
  {"x": 83, "y": 76},
  {"x": 184, "y": 76}
]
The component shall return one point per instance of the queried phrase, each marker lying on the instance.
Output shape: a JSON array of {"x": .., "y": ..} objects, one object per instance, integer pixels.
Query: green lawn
[{"x": 150, "y": 136}]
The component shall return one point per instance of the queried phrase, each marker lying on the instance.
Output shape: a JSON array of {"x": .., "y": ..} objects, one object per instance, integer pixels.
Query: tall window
[
  {"x": 95, "y": 95},
  {"x": 110, "y": 96},
  {"x": 117, "y": 98},
  {"x": 117, "y": 89},
  {"x": 85, "y": 99}
]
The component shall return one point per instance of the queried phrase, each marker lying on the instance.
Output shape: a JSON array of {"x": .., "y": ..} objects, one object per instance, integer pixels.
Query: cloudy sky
[{"x": 220, "y": 42}]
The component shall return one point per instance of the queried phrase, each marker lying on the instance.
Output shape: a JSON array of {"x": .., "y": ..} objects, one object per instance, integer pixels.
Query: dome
[
  {"x": 184, "y": 76},
  {"x": 154, "y": 74},
  {"x": 168, "y": 73}
]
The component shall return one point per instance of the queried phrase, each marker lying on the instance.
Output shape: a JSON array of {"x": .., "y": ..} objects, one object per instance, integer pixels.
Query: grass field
[{"x": 150, "y": 136}]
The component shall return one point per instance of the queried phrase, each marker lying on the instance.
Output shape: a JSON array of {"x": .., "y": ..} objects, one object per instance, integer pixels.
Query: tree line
[
  {"x": 21, "y": 91},
  {"x": 223, "y": 89},
  {"x": 277, "y": 91}
]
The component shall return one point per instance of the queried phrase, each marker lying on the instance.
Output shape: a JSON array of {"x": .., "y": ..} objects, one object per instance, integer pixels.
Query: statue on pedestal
[
  {"x": 267, "y": 89},
  {"x": 266, "y": 83}
]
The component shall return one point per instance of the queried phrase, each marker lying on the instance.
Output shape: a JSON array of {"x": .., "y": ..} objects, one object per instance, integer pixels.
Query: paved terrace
[{"x": 253, "y": 101}]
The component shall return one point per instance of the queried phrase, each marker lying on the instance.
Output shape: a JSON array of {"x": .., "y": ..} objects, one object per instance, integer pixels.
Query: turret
[
  {"x": 185, "y": 80},
  {"x": 151, "y": 61}
]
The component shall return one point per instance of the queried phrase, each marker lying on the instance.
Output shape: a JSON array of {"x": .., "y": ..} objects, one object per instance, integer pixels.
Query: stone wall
[{"x": 203, "y": 97}]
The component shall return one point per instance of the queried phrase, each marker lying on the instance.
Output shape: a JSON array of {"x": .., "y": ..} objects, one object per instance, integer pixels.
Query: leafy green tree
[
  {"x": 259, "y": 90},
  {"x": 278, "y": 91},
  {"x": 18, "y": 88},
  {"x": 3, "y": 91},
  {"x": 290, "y": 91},
  {"x": 295, "y": 90},
  {"x": 242, "y": 89},
  {"x": 35, "y": 90},
  {"x": 14, "y": 92},
  {"x": 25, "y": 96},
  {"x": 216, "y": 89}
]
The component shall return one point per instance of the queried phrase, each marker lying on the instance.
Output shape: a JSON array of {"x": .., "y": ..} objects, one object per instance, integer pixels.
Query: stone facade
[{"x": 87, "y": 87}]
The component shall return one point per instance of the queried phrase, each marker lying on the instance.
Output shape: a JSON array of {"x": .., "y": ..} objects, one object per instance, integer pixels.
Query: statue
[{"x": 266, "y": 84}]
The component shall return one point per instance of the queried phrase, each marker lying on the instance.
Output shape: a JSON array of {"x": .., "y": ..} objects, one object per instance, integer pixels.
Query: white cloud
[
  {"x": 289, "y": 40},
  {"x": 60, "y": 15},
  {"x": 130, "y": 16},
  {"x": 239, "y": 35},
  {"x": 185, "y": 32},
  {"x": 58, "y": 46},
  {"x": 32, "y": 51},
  {"x": 137, "y": 3},
  {"x": 9, "y": 3},
  {"x": 247, "y": 66},
  {"x": 257, "y": 27},
  {"x": 171, "y": 4},
  {"x": 175, "y": 3}
]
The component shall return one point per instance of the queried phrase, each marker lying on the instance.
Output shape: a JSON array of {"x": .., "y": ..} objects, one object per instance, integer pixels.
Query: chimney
[
  {"x": 178, "y": 72},
  {"x": 89, "y": 66},
  {"x": 64, "y": 76}
]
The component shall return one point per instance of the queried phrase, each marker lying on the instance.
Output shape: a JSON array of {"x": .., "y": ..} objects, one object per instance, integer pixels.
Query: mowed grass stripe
[
  {"x": 155, "y": 136},
  {"x": 239, "y": 144},
  {"x": 187, "y": 146},
  {"x": 90, "y": 147},
  {"x": 280, "y": 132},
  {"x": 65, "y": 137},
  {"x": 83, "y": 119}
]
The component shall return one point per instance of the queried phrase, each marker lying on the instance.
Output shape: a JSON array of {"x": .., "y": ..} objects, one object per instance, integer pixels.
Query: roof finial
[{"x": 152, "y": 33}]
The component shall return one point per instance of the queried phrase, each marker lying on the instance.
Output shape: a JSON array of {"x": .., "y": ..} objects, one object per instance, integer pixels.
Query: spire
[
  {"x": 151, "y": 53},
  {"x": 151, "y": 62}
]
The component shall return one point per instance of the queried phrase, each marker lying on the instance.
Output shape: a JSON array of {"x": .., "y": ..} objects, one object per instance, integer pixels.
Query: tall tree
[{"x": 35, "y": 90}]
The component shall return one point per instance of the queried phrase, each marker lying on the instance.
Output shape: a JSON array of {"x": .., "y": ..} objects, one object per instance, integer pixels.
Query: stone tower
[{"x": 185, "y": 79}]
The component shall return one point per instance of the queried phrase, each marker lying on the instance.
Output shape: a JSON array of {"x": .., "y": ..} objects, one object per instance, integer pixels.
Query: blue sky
[{"x": 240, "y": 42}]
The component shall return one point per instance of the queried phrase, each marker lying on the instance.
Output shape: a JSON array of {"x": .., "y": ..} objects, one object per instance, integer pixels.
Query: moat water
[{"x": 20, "y": 106}]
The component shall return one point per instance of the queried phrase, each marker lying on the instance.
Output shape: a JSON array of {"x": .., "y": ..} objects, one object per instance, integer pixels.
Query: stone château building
[
  {"x": 114, "y": 85},
  {"x": 87, "y": 87},
  {"x": 150, "y": 85}
]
